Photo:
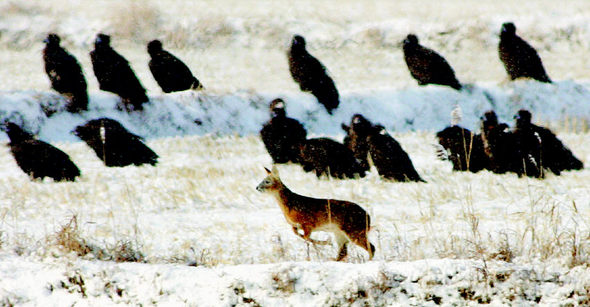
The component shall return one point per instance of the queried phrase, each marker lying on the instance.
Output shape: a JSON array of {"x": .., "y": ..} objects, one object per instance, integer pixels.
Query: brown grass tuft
[
  {"x": 11, "y": 8},
  {"x": 69, "y": 240},
  {"x": 136, "y": 21},
  {"x": 126, "y": 251},
  {"x": 283, "y": 281}
]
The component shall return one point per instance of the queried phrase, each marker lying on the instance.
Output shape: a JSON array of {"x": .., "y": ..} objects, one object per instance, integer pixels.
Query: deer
[{"x": 348, "y": 221}]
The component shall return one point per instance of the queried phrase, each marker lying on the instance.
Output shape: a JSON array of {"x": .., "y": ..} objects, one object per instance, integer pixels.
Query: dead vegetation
[
  {"x": 69, "y": 239},
  {"x": 495, "y": 217},
  {"x": 360, "y": 46},
  {"x": 136, "y": 21}
]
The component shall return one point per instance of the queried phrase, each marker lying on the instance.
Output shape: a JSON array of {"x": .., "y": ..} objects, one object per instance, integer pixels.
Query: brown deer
[{"x": 347, "y": 220}]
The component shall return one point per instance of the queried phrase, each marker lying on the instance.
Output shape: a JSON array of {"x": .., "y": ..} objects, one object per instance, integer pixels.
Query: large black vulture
[
  {"x": 328, "y": 157},
  {"x": 528, "y": 146},
  {"x": 543, "y": 146},
  {"x": 356, "y": 138},
  {"x": 114, "y": 144},
  {"x": 115, "y": 75},
  {"x": 519, "y": 58},
  {"x": 169, "y": 71},
  {"x": 37, "y": 158},
  {"x": 65, "y": 74},
  {"x": 388, "y": 156},
  {"x": 311, "y": 75},
  {"x": 500, "y": 145},
  {"x": 282, "y": 135},
  {"x": 463, "y": 148},
  {"x": 427, "y": 66}
]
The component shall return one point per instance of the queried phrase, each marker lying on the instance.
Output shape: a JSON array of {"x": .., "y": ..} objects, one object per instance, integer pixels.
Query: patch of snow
[{"x": 244, "y": 112}]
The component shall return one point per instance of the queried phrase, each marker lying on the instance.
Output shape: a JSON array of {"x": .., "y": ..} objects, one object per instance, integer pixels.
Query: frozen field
[
  {"x": 234, "y": 45},
  {"x": 194, "y": 231},
  {"x": 460, "y": 238},
  {"x": 199, "y": 207}
]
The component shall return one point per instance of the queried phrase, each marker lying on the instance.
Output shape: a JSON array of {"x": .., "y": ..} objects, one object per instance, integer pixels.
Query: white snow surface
[
  {"x": 208, "y": 238},
  {"x": 243, "y": 113},
  {"x": 419, "y": 283},
  {"x": 198, "y": 207}
]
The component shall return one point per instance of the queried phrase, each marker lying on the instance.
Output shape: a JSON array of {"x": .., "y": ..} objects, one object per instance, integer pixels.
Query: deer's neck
[
  {"x": 282, "y": 195},
  {"x": 287, "y": 201}
]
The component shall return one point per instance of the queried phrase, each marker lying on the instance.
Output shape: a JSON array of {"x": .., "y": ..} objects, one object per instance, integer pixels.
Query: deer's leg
[
  {"x": 296, "y": 231},
  {"x": 342, "y": 253},
  {"x": 361, "y": 239},
  {"x": 341, "y": 241},
  {"x": 306, "y": 235}
]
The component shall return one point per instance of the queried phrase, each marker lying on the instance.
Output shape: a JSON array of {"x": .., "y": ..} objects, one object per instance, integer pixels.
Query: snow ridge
[{"x": 244, "y": 112}]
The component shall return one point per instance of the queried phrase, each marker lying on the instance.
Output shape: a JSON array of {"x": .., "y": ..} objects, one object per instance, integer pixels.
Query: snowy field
[
  {"x": 194, "y": 231},
  {"x": 235, "y": 45},
  {"x": 198, "y": 207}
]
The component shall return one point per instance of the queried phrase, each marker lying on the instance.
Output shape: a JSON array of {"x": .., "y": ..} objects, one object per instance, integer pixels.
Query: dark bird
[
  {"x": 65, "y": 74},
  {"x": 328, "y": 157},
  {"x": 169, "y": 71},
  {"x": 311, "y": 75},
  {"x": 528, "y": 146},
  {"x": 37, "y": 158},
  {"x": 542, "y": 147},
  {"x": 114, "y": 144},
  {"x": 282, "y": 135},
  {"x": 115, "y": 75},
  {"x": 519, "y": 58},
  {"x": 356, "y": 138},
  {"x": 500, "y": 145},
  {"x": 463, "y": 148},
  {"x": 427, "y": 66},
  {"x": 390, "y": 159}
]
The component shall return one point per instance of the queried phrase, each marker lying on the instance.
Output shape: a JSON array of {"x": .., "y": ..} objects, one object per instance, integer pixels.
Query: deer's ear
[
  {"x": 275, "y": 171},
  {"x": 267, "y": 171}
]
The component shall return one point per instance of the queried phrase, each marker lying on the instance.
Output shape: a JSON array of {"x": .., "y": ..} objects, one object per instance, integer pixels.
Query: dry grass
[
  {"x": 135, "y": 20},
  {"x": 223, "y": 42},
  {"x": 68, "y": 238},
  {"x": 199, "y": 207},
  {"x": 11, "y": 8},
  {"x": 126, "y": 251}
]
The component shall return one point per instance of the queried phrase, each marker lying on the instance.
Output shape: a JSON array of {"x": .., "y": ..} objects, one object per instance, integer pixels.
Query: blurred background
[{"x": 232, "y": 45}]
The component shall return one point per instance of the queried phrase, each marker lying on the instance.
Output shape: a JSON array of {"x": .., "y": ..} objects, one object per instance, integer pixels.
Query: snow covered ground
[
  {"x": 194, "y": 231},
  {"x": 418, "y": 283},
  {"x": 562, "y": 105},
  {"x": 233, "y": 45},
  {"x": 461, "y": 238}
]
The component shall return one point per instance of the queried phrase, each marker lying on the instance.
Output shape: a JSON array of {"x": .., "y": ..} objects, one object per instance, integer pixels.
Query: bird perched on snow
[
  {"x": 459, "y": 145},
  {"x": 327, "y": 157},
  {"x": 311, "y": 75},
  {"x": 541, "y": 148},
  {"x": 463, "y": 148},
  {"x": 282, "y": 135},
  {"x": 115, "y": 75},
  {"x": 519, "y": 58},
  {"x": 427, "y": 66},
  {"x": 390, "y": 159},
  {"x": 500, "y": 145},
  {"x": 65, "y": 74},
  {"x": 114, "y": 144},
  {"x": 356, "y": 138},
  {"x": 39, "y": 159},
  {"x": 169, "y": 71}
]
